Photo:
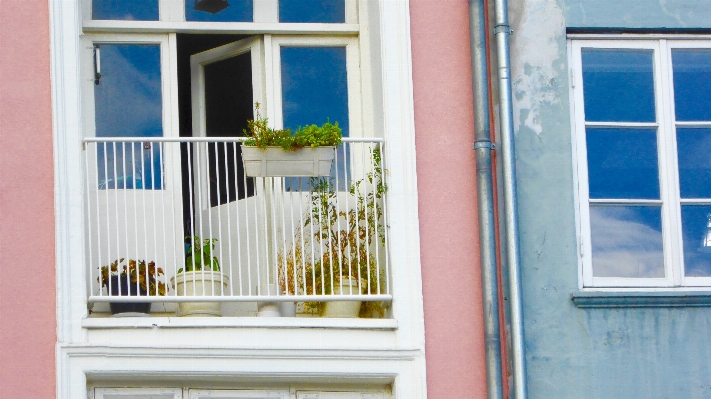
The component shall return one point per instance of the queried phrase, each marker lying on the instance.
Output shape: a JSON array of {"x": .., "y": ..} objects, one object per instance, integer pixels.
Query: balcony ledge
[{"x": 238, "y": 322}]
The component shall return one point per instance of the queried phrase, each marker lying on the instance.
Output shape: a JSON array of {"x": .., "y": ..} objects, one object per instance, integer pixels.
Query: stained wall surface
[
  {"x": 27, "y": 283},
  {"x": 573, "y": 352},
  {"x": 447, "y": 199}
]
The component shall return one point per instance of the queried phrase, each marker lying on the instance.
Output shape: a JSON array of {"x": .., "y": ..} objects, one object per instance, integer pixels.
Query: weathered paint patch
[{"x": 540, "y": 25}]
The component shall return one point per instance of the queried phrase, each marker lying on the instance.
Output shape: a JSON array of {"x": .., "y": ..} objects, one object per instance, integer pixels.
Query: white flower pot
[
  {"x": 287, "y": 309},
  {"x": 200, "y": 284},
  {"x": 274, "y": 161},
  {"x": 268, "y": 309},
  {"x": 347, "y": 309}
]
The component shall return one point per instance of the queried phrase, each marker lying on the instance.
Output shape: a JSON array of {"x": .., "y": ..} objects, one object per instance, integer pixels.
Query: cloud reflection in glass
[
  {"x": 627, "y": 241},
  {"x": 695, "y": 229},
  {"x": 128, "y": 103}
]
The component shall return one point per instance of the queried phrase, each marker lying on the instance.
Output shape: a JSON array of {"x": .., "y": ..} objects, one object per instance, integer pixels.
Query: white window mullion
[
  {"x": 351, "y": 11},
  {"x": 670, "y": 230},
  {"x": 670, "y": 171},
  {"x": 86, "y": 10},
  {"x": 172, "y": 10},
  {"x": 266, "y": 11},
  {"x": 272, "y": 72}
]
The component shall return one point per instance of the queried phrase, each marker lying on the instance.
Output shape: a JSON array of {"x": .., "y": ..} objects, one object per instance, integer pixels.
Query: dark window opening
[{"x": 228, "y": 104}]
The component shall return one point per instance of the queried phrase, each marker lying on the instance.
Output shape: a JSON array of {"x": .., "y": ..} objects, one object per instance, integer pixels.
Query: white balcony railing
[{"x": 162, "y": 204}]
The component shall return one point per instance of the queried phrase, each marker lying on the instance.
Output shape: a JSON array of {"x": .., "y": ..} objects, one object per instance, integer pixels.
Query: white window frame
[
  {"x": 667, "y": 163},
  {"x": 203, "y": 393},
  {"x": 168, "y": 80},
  {"x": 266, "y": 11},
  {"x": 352, "y": 75},
  {"x": 132, "y": 393},
  {"x": 237, "y": 394},
  {"x": 389, "y": 352}
]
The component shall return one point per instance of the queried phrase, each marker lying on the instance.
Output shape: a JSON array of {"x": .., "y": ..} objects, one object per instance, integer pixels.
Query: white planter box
[{"x": 274, "y": 162}]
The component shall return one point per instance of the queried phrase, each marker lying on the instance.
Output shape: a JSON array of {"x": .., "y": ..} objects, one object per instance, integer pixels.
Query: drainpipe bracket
[
  {"x": 484, "y": 144},
  {"x": 503, "y": 28}
]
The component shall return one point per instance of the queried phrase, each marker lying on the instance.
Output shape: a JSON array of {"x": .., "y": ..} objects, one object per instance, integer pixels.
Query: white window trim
[
  {"x": 130, "y": 393},
  {"x": 668, "y": 164}
]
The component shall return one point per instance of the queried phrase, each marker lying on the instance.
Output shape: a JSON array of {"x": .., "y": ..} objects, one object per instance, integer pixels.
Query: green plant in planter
[
  {"x": 347, "y": 240},
  {"x": 138, "y": 272},
  {"x": 199, "y": 255},
  {"x": 262, "y": 136}
]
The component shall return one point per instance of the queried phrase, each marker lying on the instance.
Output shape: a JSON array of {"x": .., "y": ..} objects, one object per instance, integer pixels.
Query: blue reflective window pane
[
  {"x": 618, "y": 85},
  {"x": 127, "y": 10},
  {"x": 622, "y": 163},
  {"x": 238, "y": 11},
  {"x": 697, "y": 240},
  {"x": 128, "y": 103},
  {"x": 325, "y": 11},
  {"x": 692, "y": 84},
  {"x": 694, "y": 151},
  {"x": 314, "y": 90},
  {"x": 627, "y": 241},
  {"x": 314, "y": 86}
]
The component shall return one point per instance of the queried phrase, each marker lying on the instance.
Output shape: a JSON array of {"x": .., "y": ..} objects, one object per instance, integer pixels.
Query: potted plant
[
  {"x": 135, "y": 278},
  {"x": 347, "y": 266},
  {"x": 200, "y": 277},
  {"x": 276, "y": 152}
]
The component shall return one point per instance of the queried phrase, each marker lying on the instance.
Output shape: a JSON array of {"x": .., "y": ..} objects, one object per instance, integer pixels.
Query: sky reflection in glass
[
  {"x": 694, "y": 225},
  {"x": 127, "y": 10},
  {"x": 315, "y": 89},
  {"x": 128, "y": 103},
  {"x": 238, "y": 11},
  {"x": 618, "y": 85},
  {"x": 314, "y": 86},
  {"x": 692, "y": 84},
  {"x": 694, "y": 151},
  {"x": 626, "y": 241},
  {"x": 622, "y": 163},
  {"x": 324, "y": 11}
]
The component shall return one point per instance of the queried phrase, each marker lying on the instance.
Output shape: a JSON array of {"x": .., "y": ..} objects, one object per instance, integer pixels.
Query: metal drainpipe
[
  {"x": 502, "y": 31},
  {"x": 485, "y": 195}
]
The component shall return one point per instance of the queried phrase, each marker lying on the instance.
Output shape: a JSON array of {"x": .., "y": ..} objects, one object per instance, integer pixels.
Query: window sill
[
  {"x": 601, "y": 299},
  {"x": 238, "y": 322}
]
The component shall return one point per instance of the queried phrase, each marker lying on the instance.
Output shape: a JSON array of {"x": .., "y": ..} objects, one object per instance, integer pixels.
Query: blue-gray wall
[{"x": 572, "y": 352}]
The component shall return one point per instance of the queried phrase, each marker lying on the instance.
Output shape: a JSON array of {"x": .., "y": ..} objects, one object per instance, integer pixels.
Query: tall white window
[{"x": 643, "y": 149}]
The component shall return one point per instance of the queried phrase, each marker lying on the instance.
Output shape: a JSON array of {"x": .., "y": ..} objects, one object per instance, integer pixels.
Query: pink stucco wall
[
  {"x": 447, "y": 199},
  {"x": 27, "y": 259}
]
